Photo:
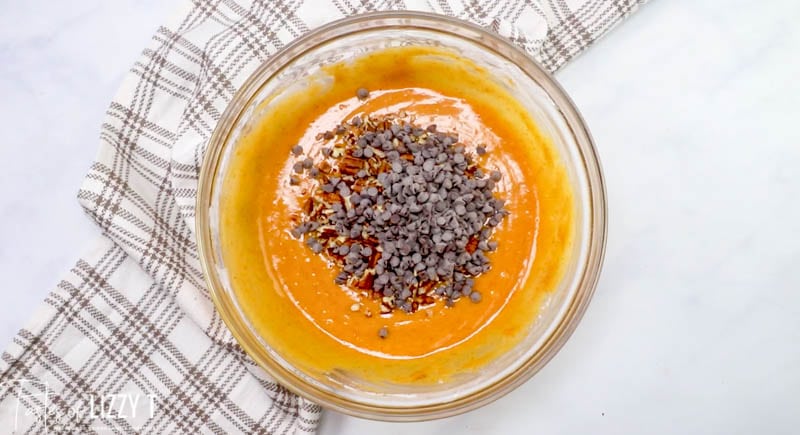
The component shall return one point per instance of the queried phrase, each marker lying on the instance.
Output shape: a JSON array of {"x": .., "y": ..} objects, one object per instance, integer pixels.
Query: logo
[{"x": 32, "y": 404}]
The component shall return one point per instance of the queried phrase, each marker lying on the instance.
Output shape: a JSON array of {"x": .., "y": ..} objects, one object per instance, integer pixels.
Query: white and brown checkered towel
[{"x": 130, "y": 341}]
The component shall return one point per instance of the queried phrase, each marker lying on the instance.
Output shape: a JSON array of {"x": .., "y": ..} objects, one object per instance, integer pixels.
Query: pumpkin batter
[{"x": 289, "y": 294}]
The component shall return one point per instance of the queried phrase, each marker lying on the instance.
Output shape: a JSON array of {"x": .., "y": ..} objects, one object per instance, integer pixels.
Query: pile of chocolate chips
[{"x": 405, "y": 212}]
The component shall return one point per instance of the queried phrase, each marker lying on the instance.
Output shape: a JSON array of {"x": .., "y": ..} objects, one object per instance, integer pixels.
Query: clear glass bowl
[{"x": 557, "y": 119}]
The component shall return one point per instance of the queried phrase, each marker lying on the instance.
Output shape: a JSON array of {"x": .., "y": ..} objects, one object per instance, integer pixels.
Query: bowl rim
[{"x": 565, "y": 107}]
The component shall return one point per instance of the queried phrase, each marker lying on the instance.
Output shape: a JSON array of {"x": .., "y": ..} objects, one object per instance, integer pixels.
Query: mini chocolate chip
[{"x": 419, "y": 206}]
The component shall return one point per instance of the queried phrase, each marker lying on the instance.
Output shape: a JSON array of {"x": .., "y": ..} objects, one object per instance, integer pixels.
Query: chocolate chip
[{"x": 415, "y": 215}]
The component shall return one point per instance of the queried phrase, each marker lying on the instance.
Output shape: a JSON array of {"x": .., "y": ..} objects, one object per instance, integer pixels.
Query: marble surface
[
  {"x": 695, "y": 326},
  {"x": 61, "y": 63}
]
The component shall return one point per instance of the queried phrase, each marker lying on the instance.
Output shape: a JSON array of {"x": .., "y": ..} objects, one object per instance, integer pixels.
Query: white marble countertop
[{"x": 694, "y": 105}]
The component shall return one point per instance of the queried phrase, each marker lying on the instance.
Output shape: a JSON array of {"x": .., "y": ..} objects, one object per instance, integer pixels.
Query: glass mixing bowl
[{"x": 557, "y": 119}]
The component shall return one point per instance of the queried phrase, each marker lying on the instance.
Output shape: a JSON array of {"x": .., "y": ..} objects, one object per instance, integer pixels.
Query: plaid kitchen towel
[{"x": 129, "y": 341}]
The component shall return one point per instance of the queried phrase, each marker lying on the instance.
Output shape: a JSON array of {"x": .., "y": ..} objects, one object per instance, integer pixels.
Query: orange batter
[{"x": 289, "y": 294}]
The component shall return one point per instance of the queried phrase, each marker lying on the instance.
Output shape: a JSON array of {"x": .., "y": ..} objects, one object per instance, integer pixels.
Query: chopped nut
[{"x": 404, "y": 212}]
